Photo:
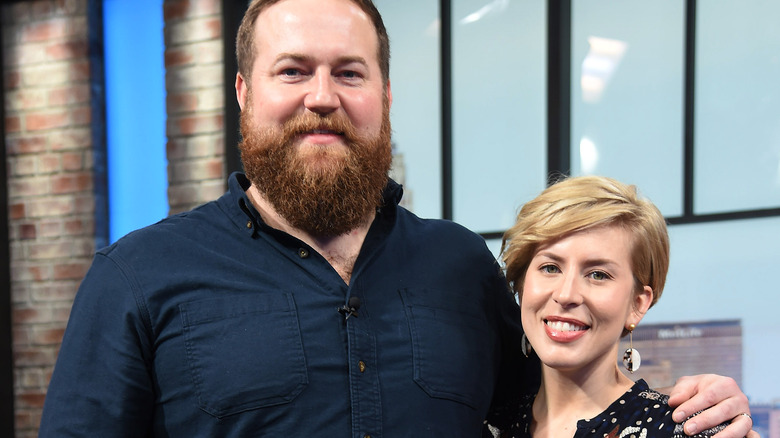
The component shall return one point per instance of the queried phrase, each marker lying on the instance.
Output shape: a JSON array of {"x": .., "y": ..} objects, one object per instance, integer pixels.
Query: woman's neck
[{"x": 565, "y": 398}]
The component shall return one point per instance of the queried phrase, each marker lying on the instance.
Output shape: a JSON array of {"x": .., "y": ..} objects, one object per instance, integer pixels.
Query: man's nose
[{"x": 322, "y": 96}]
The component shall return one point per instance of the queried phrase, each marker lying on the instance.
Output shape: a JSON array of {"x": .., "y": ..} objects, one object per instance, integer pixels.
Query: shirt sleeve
[
  {"x": 517, "y": 375},
  {"x": 101, "y": 384}
]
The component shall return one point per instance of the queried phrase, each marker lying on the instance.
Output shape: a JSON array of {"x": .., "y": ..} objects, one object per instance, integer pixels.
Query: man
[{"x": 305, "y": 301}]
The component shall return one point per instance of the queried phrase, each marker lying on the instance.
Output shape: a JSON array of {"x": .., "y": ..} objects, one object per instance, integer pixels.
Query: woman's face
[{"x": 578, "y": 295}]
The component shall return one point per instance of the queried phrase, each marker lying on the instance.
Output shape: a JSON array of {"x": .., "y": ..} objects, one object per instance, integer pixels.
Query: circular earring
[{"x": 631, "y": 358}]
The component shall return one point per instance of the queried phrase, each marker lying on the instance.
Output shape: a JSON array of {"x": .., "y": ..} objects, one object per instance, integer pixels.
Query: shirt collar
[{"x": 248, "y": 218}]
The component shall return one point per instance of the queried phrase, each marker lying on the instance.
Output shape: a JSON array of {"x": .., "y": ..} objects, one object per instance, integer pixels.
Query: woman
[{"x": 588, "y": 258}]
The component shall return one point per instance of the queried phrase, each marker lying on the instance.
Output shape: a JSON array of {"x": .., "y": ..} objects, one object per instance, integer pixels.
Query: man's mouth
[{"x": 324, "y": 132}]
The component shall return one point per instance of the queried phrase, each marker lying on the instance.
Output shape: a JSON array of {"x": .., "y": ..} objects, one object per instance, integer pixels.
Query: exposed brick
[
  {"x": 50, "y": 228},
  {"x": 195, "y": 147},
  {"x": 37, "y": 356},
  {"x": 43, "y": 31},
  {"x": 178, "y": 57},
  {"x": 175, "y": 9},
  {"x": 49, "y": 163},
  {"x": 29, "y": 144},
  {"x": 73, "y": 138},
  {"x": 79, "y": 70},
  {"x": 48, "y": 207},
  {"x": 27, "y": 99},
  {"x": 178, "y": 9},
  {"x": 80, "y": 116},
  {"x": 193, "y": 30},
  {"x": 19, "y": 12},
  {"x": 27, "y": 55},
  {"x": 70, "y": 95},
  {"x": 195, "y": 77},
  {"x": 79, "y": 227},
  {"x": 47, "y": 336},
  {"x": 181, "y": 102},
  {"x": 72, "y": 161},
  {"x": 46, "y": 74},
  {"x": 12, "y": 79},
  {"x": 69, "y": 271},
  {"x": 28, "y": 272},
  {"x": 52, "y": 250},
  {"x": 71, "y": 182},
  {"x": 66, "y": 50},
  {"x": 23, "y": 166},
  {"x": 197, "y": 124},
  {"x": 45, "y": 121},
  {"x": 30, "y": 377},
  {"x": 55, "y": 292},
  {"x": 13, "y": 124},
  {"x": 31, "y": 315},
  {"x": 212, "y": 189},
  {"x": 18, "y": 211},
  {"x": 197, "y": 170},
  {"x": 27, "y": 232},
  {"x": 27, "y": 187}
]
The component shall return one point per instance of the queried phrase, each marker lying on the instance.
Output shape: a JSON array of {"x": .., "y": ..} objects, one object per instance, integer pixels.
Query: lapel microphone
[{"x": 350, "y": 309}]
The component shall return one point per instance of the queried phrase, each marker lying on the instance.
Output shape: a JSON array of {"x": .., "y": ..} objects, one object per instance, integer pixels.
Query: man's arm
[
  {"x": 101, "y": 384},
  {"x": 720, "y": 401}
]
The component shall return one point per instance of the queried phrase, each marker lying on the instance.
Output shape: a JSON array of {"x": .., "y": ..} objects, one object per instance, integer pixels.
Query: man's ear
[
  {"x": 389, "y": 95},
  {"x": 241, "y": 90}
]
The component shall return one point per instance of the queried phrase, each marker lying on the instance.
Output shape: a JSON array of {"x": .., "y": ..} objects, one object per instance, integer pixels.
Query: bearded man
[{"x": 305, "y": 301}]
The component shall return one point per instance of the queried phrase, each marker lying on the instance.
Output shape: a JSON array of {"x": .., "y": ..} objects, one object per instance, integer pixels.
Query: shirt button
[
  {"x": 362, "y": 366},
  {"x": 303, "y": 253},
  {"x": 366, "y": 436},
  {"x": 249, "y": 224}
]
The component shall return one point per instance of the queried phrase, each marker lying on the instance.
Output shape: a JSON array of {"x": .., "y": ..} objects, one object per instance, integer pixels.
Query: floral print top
[{"x": 639, "y": 413}]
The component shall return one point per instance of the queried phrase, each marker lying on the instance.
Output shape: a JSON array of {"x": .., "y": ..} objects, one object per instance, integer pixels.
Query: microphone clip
[{"x": 350, "y": 309}]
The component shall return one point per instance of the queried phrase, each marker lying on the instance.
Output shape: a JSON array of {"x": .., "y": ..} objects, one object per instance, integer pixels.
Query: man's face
[
  {"x": 316, "y": 56},
  {"x": 315, "y": 119}
]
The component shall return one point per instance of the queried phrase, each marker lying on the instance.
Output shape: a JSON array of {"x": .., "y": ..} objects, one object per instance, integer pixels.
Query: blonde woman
[{"x": 587, "y": 258}]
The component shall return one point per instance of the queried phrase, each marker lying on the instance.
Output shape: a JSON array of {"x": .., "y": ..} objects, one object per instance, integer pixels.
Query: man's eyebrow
[{"x": 299, "y": 57}]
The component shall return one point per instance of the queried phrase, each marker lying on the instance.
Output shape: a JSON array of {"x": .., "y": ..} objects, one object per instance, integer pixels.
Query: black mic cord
[{"x": 350, "y": 309}]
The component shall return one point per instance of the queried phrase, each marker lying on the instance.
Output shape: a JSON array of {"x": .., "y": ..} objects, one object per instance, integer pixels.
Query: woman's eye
[
  {"x": 599, "y": 275},
  {"x": 550, "y": 269}
]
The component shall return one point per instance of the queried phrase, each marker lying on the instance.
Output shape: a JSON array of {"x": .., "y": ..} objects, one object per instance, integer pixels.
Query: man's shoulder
[{"x": 172, "y": 231}]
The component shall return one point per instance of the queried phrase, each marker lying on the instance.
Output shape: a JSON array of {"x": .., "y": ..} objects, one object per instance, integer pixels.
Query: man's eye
[{"x": 290, "y": 72}]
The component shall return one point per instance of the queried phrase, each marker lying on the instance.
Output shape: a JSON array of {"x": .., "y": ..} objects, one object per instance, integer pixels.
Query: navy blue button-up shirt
[{"x": 212, "y": 324}]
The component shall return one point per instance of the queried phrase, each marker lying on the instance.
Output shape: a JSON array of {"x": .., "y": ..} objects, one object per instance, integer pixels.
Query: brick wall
[
  {"x": 50, "y": 184},
  {"x": 194, "y": 82},
  {"x": 50, "y": 161}
]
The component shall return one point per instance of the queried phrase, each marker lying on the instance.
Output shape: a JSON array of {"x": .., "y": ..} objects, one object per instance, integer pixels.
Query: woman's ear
[{"x": 642, "y": 301}]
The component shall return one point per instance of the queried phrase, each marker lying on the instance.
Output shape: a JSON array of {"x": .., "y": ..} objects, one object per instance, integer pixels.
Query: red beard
[{"x": 324, "y": 192}]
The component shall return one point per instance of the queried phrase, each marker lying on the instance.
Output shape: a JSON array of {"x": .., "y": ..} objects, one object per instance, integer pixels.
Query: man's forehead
[
  {"x": 290, "y": 25},
  {"x": 293, "y": 11}
]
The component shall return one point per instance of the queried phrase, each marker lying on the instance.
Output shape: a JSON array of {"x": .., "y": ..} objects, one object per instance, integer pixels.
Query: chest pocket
[
  {"x": 452, "y": 345},
  {"x": 244, "y": 352}
]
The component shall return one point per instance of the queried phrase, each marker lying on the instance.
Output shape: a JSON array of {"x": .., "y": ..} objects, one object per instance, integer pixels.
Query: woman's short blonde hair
[{"x": 580, "y": 203}]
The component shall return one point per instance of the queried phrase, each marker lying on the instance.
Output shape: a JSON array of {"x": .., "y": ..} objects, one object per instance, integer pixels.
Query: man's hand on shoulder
[{"x": 716, "y": 399}]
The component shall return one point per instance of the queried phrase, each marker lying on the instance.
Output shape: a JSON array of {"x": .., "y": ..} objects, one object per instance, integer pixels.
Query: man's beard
[{"x": 323, "y": 192}]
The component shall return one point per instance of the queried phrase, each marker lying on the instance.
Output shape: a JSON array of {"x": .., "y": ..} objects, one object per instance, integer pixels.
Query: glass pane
[
  {"x": 416, "y": 111},
  {"x": 737, "y": 106},
  {"x": 627, "y": 95},
  {"x": 499, "y": 109},
  {"x": 703, "y": 285}
]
